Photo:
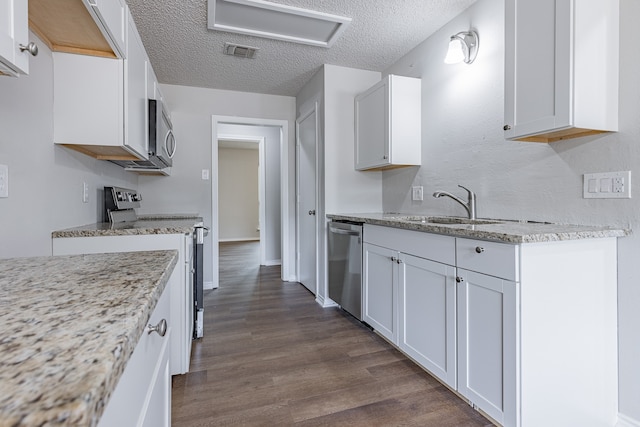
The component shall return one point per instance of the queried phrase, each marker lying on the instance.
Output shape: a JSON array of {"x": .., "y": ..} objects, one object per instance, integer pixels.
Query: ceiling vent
[{"x": 240, "y": 51}]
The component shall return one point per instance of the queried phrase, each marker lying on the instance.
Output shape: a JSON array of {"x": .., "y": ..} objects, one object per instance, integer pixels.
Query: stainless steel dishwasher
[{"x": 345, "y": 266}]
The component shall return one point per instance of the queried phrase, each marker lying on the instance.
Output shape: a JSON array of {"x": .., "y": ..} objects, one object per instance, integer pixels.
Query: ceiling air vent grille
[{"x": 240, "y": 51}]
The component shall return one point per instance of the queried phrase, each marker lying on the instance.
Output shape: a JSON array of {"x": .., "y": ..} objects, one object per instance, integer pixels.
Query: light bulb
[{"x": 455, "y": 53}]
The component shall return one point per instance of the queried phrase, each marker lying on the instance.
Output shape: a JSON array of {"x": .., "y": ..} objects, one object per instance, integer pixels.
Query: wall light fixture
[{"x": 462, "y": 47}]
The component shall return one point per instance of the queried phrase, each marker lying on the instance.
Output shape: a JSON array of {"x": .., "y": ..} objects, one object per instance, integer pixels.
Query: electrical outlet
[
  {"x": 607, "y": 185},
  {"x": 4, "y": 181},
  {"x": 417, "y": 193}
]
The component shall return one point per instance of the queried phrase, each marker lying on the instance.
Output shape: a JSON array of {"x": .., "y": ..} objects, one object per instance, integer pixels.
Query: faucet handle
[{"x": 471, "y": 193}]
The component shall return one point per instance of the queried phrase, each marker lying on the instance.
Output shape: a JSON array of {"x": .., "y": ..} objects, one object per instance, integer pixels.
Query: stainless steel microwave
[{"x": 162, "y": 143}]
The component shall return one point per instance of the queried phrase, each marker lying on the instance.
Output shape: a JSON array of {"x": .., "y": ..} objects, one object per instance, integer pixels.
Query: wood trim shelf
[{"x": 561, "y": 135}]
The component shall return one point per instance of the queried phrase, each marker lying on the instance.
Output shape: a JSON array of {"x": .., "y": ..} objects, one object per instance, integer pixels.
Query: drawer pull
[
  {"x": 160, "y": 328},
  {"x": 394, "y": 259},
  {"x": 479, "y": 249},
  {"x": 459, "y": 279}
]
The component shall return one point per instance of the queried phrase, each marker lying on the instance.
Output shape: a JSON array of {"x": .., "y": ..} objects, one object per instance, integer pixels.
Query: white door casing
[{"x": 307, "y": 198}]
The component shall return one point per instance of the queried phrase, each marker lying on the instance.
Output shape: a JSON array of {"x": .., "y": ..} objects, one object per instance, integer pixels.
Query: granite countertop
[
  {"x": 507, "y": 231},
  {"x": 69, "y": 326},
  {"x": 150, "y": 224}
]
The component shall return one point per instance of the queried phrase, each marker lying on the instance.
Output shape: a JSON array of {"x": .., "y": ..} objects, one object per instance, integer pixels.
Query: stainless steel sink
[{"x": 446, "y": 220}]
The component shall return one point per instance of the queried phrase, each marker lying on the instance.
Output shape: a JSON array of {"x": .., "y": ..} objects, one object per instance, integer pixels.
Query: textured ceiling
[{"x": 184, "y": 52}]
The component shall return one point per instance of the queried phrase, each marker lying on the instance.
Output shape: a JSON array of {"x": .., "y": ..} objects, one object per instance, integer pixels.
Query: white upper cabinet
[
  {"x": 87, "y": 27},
  {"x": 387, "y": 124},
  {"x": 15, "y": 47},
  {"x": 100, "y": 104},
  {"x": 136, "y": 104},
  {"x": 111, "y": 18},
  {"x": 561, "y": 69}
]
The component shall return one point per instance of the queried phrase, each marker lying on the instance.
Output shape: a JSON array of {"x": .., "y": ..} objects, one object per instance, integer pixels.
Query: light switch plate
[
  {"x": 4, "y": 181},
  {"x": 607, "y": 185},
  {"x": 417, "y": 193},
  {"x": 205, "y": 174}
]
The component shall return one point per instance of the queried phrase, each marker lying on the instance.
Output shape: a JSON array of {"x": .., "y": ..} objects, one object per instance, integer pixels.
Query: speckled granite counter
[
  {"x": 506, "y": 231},
  {"x": 69, "y": 326},
  {"x": 145, "y": 225}
]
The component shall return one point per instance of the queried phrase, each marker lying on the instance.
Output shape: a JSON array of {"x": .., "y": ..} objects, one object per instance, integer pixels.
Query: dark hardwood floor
[{"x": 271, "y": 356}]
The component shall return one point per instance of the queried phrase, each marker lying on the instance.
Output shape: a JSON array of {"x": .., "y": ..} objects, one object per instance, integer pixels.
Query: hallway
[{"x": 271, "y": 356}]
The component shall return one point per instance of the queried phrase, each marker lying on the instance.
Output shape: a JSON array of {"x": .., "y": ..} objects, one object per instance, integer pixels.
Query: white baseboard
[
  {"x": 208, "y": 285},
  {"x": 625, "y": 421},
  {"x": 325, "y": 302},
  {"x": 269, "y": 263},
  {"x": 240, "y": 239}
]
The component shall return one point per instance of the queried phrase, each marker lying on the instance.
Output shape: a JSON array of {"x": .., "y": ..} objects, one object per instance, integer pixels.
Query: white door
[{"x": 306, "y": 168}]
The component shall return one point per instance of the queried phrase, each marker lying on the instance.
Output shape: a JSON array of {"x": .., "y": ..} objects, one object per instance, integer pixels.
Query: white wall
[
  {"x": 45, "y": 180},
  {"x": 463, "y": 143},
  {"x": 272, "y": 233},
  {"x": 238, "y": 206},
  {"x": 191, "y": 110},
  {"x": 342, "y": 188}
]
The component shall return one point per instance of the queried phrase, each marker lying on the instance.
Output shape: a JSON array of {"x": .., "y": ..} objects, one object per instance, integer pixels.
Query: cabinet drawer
[
  {"x": 424, "y": 245},
  {"x": 494, "y": 259}
]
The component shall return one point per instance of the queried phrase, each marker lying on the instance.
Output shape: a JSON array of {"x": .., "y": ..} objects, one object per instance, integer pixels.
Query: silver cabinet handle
[
  {"x": 160, "y": 328},
  {"x": 459, "y": 279},
  {"x": 312, "y": 212},
  {"x": 32, "y": 48},
  {"x": 384, "y": 157},
  {"x": 170, "y": 148},
  {"x": 506, "y": 127},
  {"x": 479, "y": 249},
  {"x": 394, "y": 259},
  {"x": 345, "y": 232}
]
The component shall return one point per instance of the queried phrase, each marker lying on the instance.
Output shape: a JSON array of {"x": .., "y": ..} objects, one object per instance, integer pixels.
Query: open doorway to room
[
  {"x": 241, "y": 192},
  {"x": 249, "y": 159}
]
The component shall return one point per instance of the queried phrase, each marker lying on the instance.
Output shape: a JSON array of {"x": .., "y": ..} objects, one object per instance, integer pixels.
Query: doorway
[
  {"x": 275, "y": 201},
  {"x": 242, "y": 191}
]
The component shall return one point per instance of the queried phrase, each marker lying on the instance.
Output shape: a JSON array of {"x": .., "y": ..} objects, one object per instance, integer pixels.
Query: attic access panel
[{"x": 276, "y": 21}]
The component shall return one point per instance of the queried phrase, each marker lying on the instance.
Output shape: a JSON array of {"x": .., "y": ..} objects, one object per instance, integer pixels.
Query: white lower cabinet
[
  {"x": 142, "y": 397},
  {"x": 380, "y": 291},
  {"x": 526, "y": 332},
  {"x": 428, "y": 315},
  {"x": 486, "y": 337},
  {"x": 181, "y": 289}
]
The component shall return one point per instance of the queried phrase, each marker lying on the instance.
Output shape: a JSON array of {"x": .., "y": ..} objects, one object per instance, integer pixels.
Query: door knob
[{"x": 312, "y": 212}]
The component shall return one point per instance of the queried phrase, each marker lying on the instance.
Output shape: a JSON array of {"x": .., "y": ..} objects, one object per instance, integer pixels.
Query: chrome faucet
[{"x": 469, "y": 205}]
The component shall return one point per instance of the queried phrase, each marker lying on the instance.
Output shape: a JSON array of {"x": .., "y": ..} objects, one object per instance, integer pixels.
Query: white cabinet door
[
  {"x": 111, "y": 17},
  {"x": 14, "y": 31},
  {"x": 561, "y": 68},
  {"x": 427, "y": 329},
  {"x": 380, "y": 290},
  {"x": 372, "y": 127},
  {"x": 487, "y": 346},
  {"x": 388, "y": 124},
  {"x": 136, "y": 104}
]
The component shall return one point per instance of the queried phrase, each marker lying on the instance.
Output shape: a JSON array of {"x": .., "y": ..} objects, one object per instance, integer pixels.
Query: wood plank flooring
[{"x": 271, "y": 356}]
